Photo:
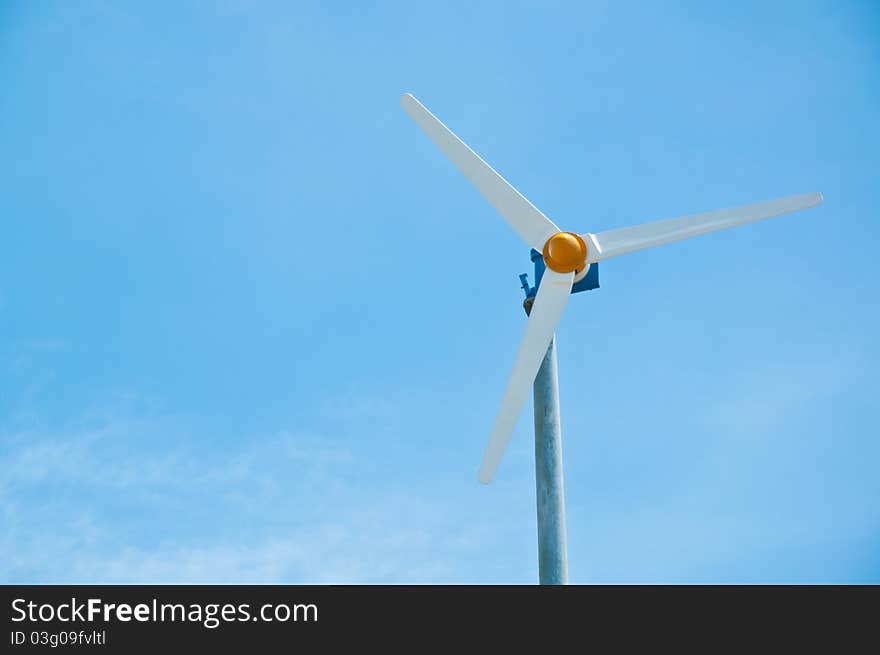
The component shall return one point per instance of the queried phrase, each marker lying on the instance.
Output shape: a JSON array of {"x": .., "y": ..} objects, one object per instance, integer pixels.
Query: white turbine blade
[
  {"x": 523, "y": 216},
  {"x": 552, "y": 296},
  {"x": 628, "y": 239}
]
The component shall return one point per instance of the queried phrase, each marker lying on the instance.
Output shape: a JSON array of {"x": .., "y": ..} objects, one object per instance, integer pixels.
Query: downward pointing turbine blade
[
  {"x": 532, "y": 226},
  {"x": 628, "y": 239},
  {"x": 551, "y": 300}
]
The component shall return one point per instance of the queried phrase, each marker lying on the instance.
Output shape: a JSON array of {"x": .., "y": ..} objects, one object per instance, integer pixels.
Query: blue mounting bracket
[{"x": 590, "y": 281}]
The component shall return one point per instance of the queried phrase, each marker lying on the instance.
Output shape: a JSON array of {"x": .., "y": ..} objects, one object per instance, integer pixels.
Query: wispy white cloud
[{"x": 139, "y": 499}]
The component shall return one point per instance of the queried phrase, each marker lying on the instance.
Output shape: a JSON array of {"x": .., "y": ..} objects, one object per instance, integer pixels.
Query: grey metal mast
[
  {"x": 549, "y": 484},
  {"x": 549, "y": 487}
]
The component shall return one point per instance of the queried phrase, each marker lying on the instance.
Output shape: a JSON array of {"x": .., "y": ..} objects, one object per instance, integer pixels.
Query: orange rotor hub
[{"x": 565, "y": 252}]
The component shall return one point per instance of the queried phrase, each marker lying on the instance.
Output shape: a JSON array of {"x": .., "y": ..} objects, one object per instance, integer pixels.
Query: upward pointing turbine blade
[
  {"x": 628, "y": 239},
  {"x": 552, "y": 297},
  {"x": 532, "y": 226}
]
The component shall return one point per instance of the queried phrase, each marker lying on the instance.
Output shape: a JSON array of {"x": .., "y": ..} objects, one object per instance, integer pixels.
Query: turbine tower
[{"x": 565, "y": 262}]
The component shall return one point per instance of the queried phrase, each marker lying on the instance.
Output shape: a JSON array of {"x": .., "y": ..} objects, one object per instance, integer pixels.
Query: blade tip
[
  {"x": 485, "y": 477},
  {"x": 407, "y": 98}
]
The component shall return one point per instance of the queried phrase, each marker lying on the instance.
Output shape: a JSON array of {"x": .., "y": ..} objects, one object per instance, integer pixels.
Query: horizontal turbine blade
[
  {"x": 532, "y": 226},
  {"x": 552, "y": 297},
  {"x": 628, "y": 239}
]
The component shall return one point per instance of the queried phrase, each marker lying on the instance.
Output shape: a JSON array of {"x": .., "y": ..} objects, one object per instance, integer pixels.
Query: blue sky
[{"x": 254, "y": 327}]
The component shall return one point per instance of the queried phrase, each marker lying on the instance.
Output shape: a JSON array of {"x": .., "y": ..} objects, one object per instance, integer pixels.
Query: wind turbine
[{"x": 562, "y": 261}]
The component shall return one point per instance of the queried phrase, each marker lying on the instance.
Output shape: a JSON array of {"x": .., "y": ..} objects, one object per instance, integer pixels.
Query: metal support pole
[
  {"x": 549, "y": 488},
  {"x": 550, "y": 492}
]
